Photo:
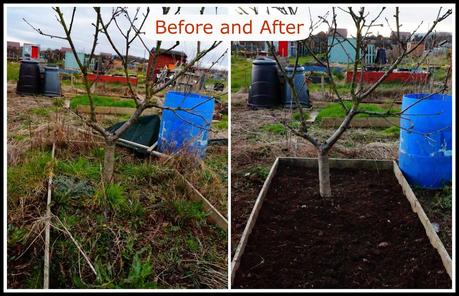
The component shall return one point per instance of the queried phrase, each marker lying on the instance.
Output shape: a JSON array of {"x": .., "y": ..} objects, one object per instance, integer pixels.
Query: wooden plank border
[
  {"x": 341, "y": 163},
  {"x": 251, "y": 221},
  {"x": 417, "y": 208}
]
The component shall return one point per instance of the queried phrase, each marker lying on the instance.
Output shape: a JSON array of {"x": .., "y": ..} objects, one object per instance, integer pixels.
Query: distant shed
[
  {"x": 166, "y": 59},
  {"x": 70, "y": 63}
]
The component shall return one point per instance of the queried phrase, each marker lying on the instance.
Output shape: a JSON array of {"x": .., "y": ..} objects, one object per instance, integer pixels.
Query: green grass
[
  {"x": 297, "y": 116},
  {"x": 41, "y": 111},
  {"x": 116, "y": 196},
  {"x": 393, "y": 131},
  {"x": 28, "y": 177},
  {"x": 223, "y": 98},
  {"x": 140, "y": 274},
  {"x": 260, "y": 170},
  {"x": 335, "y": 110},
  {"x": 302, "y": 60},
  {"x": 443, "y": 199},
  {"x": 16, "y": 234},
  {"x": 115, "y": 224},
  {"x": 241, "y": 73},
  {"x": 219, "y": 164},
  {"x": 222, "y": 124},
  {"x": 101, "y": 101},
  {"x": 81, "y": 167},
  {"x": 144, "y": 172},
  {"x": 274, "y": 128},
  {"x": 12, "y": 71},
  {"x": 189, "y": 210}
]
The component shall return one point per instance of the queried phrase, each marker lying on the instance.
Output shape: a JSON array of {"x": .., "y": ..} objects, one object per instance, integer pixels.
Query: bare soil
[
  {"x": 366, "y": 236},
  {"x": 254, "y": 150}
]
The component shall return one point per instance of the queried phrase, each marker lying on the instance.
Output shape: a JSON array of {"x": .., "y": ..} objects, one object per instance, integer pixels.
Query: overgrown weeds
[{"x": 141, "y": 231}]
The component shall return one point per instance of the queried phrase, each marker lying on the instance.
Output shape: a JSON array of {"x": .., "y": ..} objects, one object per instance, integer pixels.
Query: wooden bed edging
[
  {"x": 341, "y": 163},
  {"x": 336, "y": 163},
  {"x": 417, "y": 208},
  {"x": 251, "y": 221}
]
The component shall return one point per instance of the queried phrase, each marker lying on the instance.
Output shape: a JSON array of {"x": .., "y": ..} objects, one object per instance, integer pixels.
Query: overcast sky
[
  {"x": 44, "y": 18},
  {"x": 410, "y": 17},
  {"x": 82, "y": 32}
]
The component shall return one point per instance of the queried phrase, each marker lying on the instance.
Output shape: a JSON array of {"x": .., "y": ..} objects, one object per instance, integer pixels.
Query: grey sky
[
  {"x": 410, "y": 15},
  {"x": 82, "y": 32},
  {"x": 43, "y": 17}
]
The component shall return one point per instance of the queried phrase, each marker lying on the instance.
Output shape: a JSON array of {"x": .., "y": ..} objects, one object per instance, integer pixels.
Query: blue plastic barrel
[
  {"x": 51, "y": 82},
  {"x": 425, "y": 140},
  {"x": 300, "y": 86},
  {"x": 185, "y": 130}
]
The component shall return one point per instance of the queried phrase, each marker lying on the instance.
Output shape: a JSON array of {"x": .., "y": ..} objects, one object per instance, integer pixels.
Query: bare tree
[
  {"x": 359, "y": 90},
  {"x": 131, "y": 33}
]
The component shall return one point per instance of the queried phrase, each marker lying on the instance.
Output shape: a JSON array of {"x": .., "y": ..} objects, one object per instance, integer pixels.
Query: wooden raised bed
[{"x": 337, "y": 164}]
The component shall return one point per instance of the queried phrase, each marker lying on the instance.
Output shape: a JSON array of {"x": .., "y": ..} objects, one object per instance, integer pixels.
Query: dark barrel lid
[
  {"x": 29, "y": 62},
  {"x": 263, "y": 61}
]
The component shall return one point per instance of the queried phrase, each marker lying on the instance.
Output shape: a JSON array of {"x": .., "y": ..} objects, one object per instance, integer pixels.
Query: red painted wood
[
  {"x": 163, "y": 60},
  {"x": 373, "y": 76},
  {"x": 112, "y": 79},
  {"x": 34, "y": 54},
  {"x": 283, "y": 48}
]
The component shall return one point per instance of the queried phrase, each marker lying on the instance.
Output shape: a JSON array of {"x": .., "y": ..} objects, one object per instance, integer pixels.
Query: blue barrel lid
[
  {"x": 425, "y": 97},
  {"x": 53, "y": 68},
  {"x": 298, "y": 68},
  {"x": 263, "y": 61}
]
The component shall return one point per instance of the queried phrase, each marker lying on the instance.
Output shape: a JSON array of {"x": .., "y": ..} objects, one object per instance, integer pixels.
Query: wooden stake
[
  {"x": 47, "y": 226},
  {"x": 214, "y": 215}
]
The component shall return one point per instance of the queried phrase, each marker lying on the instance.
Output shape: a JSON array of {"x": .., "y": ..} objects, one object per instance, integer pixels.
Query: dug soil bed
[{"x": 365, "y": 237}]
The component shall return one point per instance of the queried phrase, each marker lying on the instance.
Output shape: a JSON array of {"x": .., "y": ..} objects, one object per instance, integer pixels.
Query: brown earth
[
  {"x": 253, "y": 151},
  {"x": 365, "y": 237}
]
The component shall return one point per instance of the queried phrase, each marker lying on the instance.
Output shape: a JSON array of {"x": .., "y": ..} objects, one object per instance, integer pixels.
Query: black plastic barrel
[
  {"x": 29, "y": 78},
  {"x": 51, "y": 82},
  {"x": 265, "y": 90}
]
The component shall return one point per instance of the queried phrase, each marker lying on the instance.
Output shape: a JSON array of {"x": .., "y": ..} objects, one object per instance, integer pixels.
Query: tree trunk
[
  {"x": 324, "y": 175},
  {"x": 109, "y": 162}
]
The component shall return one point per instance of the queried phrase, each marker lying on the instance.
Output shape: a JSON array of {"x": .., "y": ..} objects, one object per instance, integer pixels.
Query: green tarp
[{"x": 145, "y": 132}]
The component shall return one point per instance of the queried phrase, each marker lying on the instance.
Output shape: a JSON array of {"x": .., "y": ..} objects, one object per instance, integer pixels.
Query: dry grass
[{"x": 150, "y": 225}]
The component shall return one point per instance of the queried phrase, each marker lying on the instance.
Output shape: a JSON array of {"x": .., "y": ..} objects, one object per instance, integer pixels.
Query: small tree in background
[
  {"x": 153, "y": 87},
  {"x": 358, "y": 89}
]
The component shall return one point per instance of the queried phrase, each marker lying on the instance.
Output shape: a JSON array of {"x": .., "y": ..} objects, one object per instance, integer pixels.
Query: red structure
[
  {"x": 31, "y": 51},
  {"x": 402, "y": 76},
  {"x": 283, "y": 48},
  {"x": 166, "y": 58},
  {"x": 111, "y": 79}
]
